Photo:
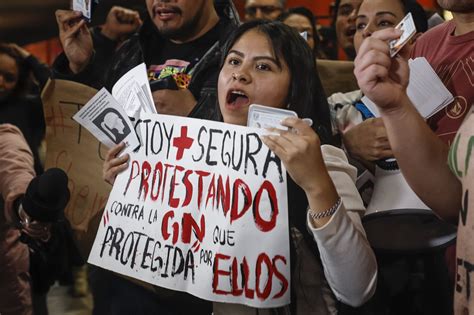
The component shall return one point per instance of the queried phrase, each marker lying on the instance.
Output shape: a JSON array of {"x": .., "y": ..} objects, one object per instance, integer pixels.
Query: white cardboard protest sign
[{"x": 202, "y": 208}]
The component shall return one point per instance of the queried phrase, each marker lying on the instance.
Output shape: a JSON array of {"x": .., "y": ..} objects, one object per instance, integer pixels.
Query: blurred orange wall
[
  {"x": 47, "y": 50},
  {"x": 321, "y": 7}
]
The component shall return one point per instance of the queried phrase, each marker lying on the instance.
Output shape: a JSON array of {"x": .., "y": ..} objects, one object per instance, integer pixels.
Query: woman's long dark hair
[
  {"x": 23, "y": 72},
  {"x": 306, "y": 97}
]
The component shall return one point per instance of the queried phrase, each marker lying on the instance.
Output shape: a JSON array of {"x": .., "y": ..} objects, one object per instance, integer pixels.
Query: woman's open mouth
[{"x": 236, "y": 99}]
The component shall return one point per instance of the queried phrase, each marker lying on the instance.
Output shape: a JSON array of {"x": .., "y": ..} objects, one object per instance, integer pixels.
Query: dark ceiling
[{"x": 27, "y": 21}]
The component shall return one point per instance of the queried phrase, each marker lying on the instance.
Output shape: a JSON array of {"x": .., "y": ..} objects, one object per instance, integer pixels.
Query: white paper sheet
[
  {"x": 107, "y": 120},
  {"x": 133, "y": 92}
]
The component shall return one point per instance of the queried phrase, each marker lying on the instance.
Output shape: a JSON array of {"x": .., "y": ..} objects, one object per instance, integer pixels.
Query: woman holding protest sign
[{"x": 269, "y": 63}]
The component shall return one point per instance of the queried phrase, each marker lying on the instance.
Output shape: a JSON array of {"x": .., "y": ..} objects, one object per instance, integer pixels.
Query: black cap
[{"x": 47, "y": 195}]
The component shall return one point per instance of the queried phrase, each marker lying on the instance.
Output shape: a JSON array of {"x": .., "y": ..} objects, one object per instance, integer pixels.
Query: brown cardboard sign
[{"x": 74, "y": 149}]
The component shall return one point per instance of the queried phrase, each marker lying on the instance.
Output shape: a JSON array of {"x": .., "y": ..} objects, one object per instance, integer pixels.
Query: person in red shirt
[
  {"x": 421, "y": 153},
  {"x": 449, "y": 50}
]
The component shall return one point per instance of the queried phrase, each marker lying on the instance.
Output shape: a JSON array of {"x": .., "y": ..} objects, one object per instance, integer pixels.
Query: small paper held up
[
  {"x": 407, "y": 25},
  {"x": 83, "y": 6}
]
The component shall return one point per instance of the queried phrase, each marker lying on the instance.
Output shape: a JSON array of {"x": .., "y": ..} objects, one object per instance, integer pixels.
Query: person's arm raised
[
  {"x": 75, "y": 38},
  {"x": 120, "y": 23},
  {"x": 421, "y": 155}
]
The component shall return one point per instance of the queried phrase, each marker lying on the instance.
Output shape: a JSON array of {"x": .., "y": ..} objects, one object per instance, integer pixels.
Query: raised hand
[
  {"x": 174, "y": 102},
  {"x": 75, "y": 38},
  {"x": 381, "y": 78},
  {"x": 121, "y": 22},
  {"x": 300, "y": 151}
]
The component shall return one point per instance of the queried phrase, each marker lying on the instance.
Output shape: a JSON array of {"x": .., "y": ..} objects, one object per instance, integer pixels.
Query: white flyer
[
  {"x": 107, "y": 121},
  {"x": 133, "y": 92}
]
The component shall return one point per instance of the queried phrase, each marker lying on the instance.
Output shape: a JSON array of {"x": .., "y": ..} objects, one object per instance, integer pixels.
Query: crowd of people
[{"x": 271, "y": 58}]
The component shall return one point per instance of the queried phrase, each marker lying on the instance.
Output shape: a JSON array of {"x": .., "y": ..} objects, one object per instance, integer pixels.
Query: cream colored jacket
[{"x": 347, "y": 270}]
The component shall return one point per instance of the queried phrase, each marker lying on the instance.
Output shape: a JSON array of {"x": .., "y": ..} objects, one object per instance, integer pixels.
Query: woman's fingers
[
  {"x": 377, "y": 41},
  {"x": 271, "y": 141},
  {"x": 114, "y": 171},
  {"x": 288, "y": 145},
  {"x": 66, "y": 18},
  {"x": 119, "y": 160},
  {"x": 76, "y": 28},
  {"x": 386, "y": 153},
  {"x": 113, "y": 164},
  {"x": 110, "y": 174},
  {"x": 375, "y": 57},
  {"x": 112, "y": 153},
  {"x": 298, "y": 125},
  {"x": 281, "y": 137},
  {"x": 372, "y": 74}
]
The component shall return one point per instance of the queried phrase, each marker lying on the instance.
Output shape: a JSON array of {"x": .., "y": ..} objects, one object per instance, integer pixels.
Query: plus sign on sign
[{"x": 195, "y": 195}]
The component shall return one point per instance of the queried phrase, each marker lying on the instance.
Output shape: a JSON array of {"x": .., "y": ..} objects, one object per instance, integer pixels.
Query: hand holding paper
[
  {"x": 299, "y": 151},
  {"x": 407, "y": 26},
  {"x": 381, "y": 78},
  {"x": 75, "y": 38},
  {"x": 425, "y": 90}
]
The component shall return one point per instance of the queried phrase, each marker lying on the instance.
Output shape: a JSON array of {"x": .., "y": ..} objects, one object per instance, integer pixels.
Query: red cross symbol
[{"x": 182, "y": 143}]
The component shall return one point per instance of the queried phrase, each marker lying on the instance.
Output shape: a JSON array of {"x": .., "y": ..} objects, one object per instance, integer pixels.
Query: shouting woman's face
[{"x": 252, "y": 74}]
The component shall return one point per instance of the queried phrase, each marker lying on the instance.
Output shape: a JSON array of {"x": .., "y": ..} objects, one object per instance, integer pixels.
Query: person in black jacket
[
  {"x": 20, "y": 104},
  {"x": 179, "y": 43}
]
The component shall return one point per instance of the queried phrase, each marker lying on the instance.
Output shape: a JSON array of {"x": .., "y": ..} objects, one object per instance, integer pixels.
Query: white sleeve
[{"x": 349, "y": 263}]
